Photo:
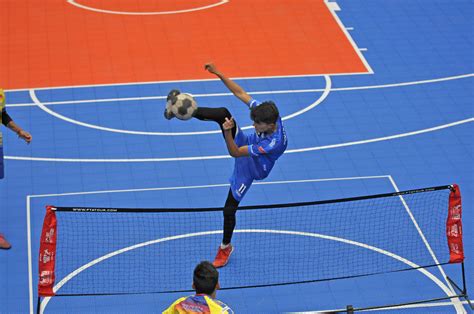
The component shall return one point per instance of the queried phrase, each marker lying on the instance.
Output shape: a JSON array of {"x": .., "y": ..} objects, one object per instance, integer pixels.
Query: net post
[
  {"x": 47, "y": 253},
  {"x": 350, "y": 309},
  {"x": 38, "y": 305},
  {"x": 454, "y": 226},
  {"x": 465, "y": 288},
  {"x": 463, "y": 291},
  {"x": 464, "y": 280}
]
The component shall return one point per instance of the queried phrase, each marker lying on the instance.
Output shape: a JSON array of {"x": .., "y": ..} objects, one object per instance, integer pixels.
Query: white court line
[
  {"x": 324, "y": 95},
  {"x": 328, "y": 4},
  {"x": 333, "y": 6},
  {"x": 84, "y": 267},
  {"x": 97, "y": 127},
  {"x": 207, "y": 186},
  {"x": 336, "y": 18},
  {"x": 349, "y": 37},
  {"x": 30, "y": 265},
  {"x": 456, "y": 302},
  {"x": 289, "y": 151},
  {"x": 29, "y": 197},
  {"x": 145, "y": 13},
  {"x": 268, "y": 92},
  {"x": 385, "y": 138},
  {"x": 186, "y": 81}
]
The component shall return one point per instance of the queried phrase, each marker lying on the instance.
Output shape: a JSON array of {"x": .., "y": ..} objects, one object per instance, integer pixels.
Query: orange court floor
[{"x": 55, "y": 43}]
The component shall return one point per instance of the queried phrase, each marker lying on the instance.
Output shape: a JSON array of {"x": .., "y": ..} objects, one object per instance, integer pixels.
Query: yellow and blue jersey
[{"x": 198, "y": 304}]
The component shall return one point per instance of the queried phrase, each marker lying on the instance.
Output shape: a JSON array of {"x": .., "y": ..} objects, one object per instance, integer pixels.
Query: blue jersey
[{"x": 263, "y": 149}]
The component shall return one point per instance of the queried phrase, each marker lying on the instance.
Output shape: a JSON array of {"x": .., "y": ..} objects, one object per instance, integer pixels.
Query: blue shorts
[
  {"x": 1, "y": 163},
  {"x": 241, "y": 178}
]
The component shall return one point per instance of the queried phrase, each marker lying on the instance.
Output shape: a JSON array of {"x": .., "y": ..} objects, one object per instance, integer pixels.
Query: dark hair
[
  {"x": 205, "y": 278},
  {"x": 266, "y": 112}
]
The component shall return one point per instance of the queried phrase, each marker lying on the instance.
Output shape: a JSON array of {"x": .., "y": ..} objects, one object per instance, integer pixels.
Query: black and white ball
[{"x": 182, "y": 106}]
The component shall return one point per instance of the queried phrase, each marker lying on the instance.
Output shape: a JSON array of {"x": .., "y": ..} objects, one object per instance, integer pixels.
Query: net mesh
[{"x": 109, "y": 251}]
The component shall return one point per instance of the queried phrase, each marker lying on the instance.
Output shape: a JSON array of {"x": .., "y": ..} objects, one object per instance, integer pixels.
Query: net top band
[{"x": 209, "y": 209}]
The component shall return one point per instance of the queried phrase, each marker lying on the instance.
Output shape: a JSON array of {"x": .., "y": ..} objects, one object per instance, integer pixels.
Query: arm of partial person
[{"x": 9, "y": 123}]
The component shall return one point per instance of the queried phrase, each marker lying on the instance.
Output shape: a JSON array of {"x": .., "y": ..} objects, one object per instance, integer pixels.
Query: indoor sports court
[{"x": 361, "y": 213}]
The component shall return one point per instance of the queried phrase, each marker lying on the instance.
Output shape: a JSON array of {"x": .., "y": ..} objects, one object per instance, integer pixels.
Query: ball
[{"x": 182, "y": 106}]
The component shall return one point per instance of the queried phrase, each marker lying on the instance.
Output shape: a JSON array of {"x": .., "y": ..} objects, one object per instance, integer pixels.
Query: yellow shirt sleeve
[
  {"x": 171, "y": 309},
  {"x": 218, "y": 307}
]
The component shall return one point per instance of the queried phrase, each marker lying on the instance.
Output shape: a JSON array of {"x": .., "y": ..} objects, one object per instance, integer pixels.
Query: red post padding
[
  {"x": 47, "y": 254},
  {"x": 454, "y": 226}
]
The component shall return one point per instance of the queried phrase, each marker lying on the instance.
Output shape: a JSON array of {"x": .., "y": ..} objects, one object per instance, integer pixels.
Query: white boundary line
[
  {"x": 97, "y": 127},
  {"x": 290, "y": 151},
  {"x": 455, "y": 301},
  {"x": 325, "y": 94},
  {"x": 183, "y": 81},
  {"x": 205, "y": 186},
  {"x": 436, "y": 80},
  {"x": 292, "y": 91},
  {"x": 29, "y": 197},
  {"x": 399, "y": 258},
  {"x": 385, "y": 138},
  {"x": 146, "y": 13},
  {"x": 349, "y": 37},
  {"x": 30, "y": 265}
]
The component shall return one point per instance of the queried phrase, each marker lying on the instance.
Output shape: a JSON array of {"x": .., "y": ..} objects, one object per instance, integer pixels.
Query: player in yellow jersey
[
  {"x": 205, "y": 283},
  {"x": 8, "y": 122}
]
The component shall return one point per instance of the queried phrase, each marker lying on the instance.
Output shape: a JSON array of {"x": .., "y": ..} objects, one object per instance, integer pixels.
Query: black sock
[
  {"x": 215, "y": 114},
  {"x": 230, "y": 209}
]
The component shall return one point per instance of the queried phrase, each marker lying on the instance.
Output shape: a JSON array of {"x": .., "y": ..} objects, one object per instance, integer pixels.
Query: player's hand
[
  {"x": 228, "y": 124},
  {"x": 25, "y": 136},
  {"x": 211, "y": 68}
]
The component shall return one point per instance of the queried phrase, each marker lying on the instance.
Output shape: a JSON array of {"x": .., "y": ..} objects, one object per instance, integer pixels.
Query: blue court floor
[{"x": 407, "y": 125}]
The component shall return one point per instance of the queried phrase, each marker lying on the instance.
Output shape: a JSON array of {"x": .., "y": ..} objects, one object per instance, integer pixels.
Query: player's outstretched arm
[{"x": 238, "y": 91}]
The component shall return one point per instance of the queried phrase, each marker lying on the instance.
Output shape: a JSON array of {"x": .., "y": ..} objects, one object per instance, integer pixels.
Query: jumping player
[{"x": 255, "y": 154}]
